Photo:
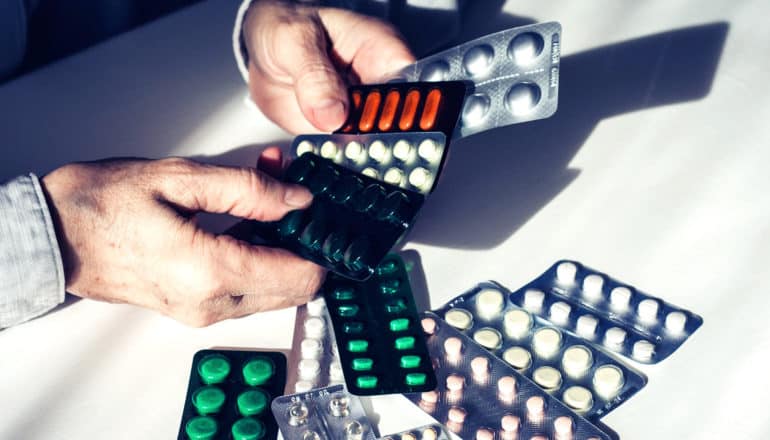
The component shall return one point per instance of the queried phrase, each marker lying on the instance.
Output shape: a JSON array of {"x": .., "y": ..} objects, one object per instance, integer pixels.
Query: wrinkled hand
[
  {"x": 301, "y": 60},
  {"x": 127, "y": 233}
]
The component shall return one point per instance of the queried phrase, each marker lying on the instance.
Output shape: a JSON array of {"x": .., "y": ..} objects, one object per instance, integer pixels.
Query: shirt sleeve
[{"x": 31, "y": 271}]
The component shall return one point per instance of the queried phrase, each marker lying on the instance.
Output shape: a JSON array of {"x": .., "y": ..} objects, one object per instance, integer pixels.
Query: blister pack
[
  {"x": 607, "y": 312},
  {"x": 481, "y": 397},
  {"x": 323, "y": 414},
  {"x": 351, "y": 225},
  {"x": 588, "y": 380},
  {"x": 229, "y": 393},
  {"x": 410, "y": 160},
  {"x": 376, "y": 325},
  {"x": 405, "y": 107},
  {"x": 313, "y": 361},
  {"x": 515, "y": 74},
  {"x": 427, "y": 432}
]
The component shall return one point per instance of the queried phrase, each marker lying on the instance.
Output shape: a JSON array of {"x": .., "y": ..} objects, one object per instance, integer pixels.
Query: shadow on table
[{"x": 493, "y": 182}]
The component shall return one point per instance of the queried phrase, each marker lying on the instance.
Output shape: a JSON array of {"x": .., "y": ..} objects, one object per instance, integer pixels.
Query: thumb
[
  {"x": 241, "y": 192},
  {"x": 321, "y": 92}
]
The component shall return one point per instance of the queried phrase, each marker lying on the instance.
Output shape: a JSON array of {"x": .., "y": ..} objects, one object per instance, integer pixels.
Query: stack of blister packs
[{"x": 536, "y": 363}]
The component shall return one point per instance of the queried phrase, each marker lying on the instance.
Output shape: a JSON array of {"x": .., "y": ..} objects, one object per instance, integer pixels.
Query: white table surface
[{"x": 653, "y": 170}]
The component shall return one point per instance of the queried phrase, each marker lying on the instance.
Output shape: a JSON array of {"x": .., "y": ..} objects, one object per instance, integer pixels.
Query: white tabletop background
[{"x": 654, "y": 170}]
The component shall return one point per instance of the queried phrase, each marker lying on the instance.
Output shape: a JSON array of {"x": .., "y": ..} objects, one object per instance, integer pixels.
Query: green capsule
[
  {"x": 313, "y": 235},
  {"x": 404, "y": 343},
  {"x": 353, "y": 327},
  {"x": 362, "y": 364},
  {"x": 390, "y": 287},
  {"x": 358, "y": 345},
  {"x": 344, "y": 188},
  {"x": 366, "y": 382},
  {"x": 399, "y": 325},
  {"x": 300, "y": 169},
  {"x": 344, "y": 293},
  {"x": 410, "y": 361},
  {"x": 416, "y": 379},
  {"x": 334, "y": 246},
  {"x": 348, "y": 310},
  {"x": 322, "y": 179},
  {"x": 365, "y": 200},
  {"x": 395, "y": 306},
  {"x": 291, "y": 223}
]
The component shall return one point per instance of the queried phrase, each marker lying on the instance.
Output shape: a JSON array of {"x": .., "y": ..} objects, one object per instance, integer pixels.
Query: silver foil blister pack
[
  {"x": 313, "y": 361},
  {"x": 410, "y": 160},
  {"x": 323, "y": 414},
  {"x": 587, "y": 379},
  {"x": 515, "y": 74},
  {"x": 481, "y": 397},
  {"x": 608, "y": 313},
  {"x": 427, "y": 432}
]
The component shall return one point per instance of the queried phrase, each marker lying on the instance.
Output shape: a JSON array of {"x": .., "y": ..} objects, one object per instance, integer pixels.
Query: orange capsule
[
  {"x": 369, "y": 114},
  {"x": 410, "y": 110},
  {"x": 356, "y": 96},
  {"x": 389, "y": 110},
  {"x": 430, "y": 111}
]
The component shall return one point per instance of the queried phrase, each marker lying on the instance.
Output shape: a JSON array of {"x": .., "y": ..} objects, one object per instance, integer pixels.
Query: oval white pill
[
  {"x": 592, "y": 286},
  {"x": 647, "y": 309},
  {"x": 577, "y": 360},
  {"x": 309, "y": 368},
  {"x": 475, "y": 109},
  {"x": 314, "y": 326},
  {"x": 675, "y": 322},
  {"x": 620, "y": 297},
  {"x": 459, "y": 319},
  {"x": 478, "y": 60},
  {"x": 615, "y": 337},
  {"x": 489, "y": 302},
  {"x": 329, "y": 150},
  {"x": 517, "y": 357},
  {"x": 546, "y": 341},
  {"x": 643, "y": 350},
  {"x": 435, "y": 71},
  {"x": 586, "y": 326},
  {"x": 522, "y": 98},
  {"x": 354, "y": 151},
  {"x": 420, "y": 178},
  {"x": 378, "y": 151},
  {"x": 578, "y": 398},
  {"x": 533, "y": 299},
  {"x": 607, "y": 381},
  {"x": 548, "y": 378},
  {"x": 394, "y": 176},
  {"x": 525, "y": 48},
  {"x": 402, "y": 150},
  {"x": 310, "y": 348},
  {"x": 517, "y": 323},
  {"x": 370, "y": 172},
  {"x": 429, "y": 150},
  {"x": 488, "y": 338},
  {"x": 559, "y": 312},
  {"x": 565, "y": 272},
  {"x": 305, "y": 147}
]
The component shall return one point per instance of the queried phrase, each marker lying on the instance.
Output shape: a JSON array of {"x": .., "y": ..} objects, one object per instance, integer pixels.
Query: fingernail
[
  {"x": 297, "y": 197},
  {"x": 329, "y": 114}
]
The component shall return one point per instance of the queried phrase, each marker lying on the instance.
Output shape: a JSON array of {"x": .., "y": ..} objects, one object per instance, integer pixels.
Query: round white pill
[
  {"x": 303, "y": 386},
  {"x": 517, "y": 323},
  {"x": 607, "y": 381},
  {"x": 565, "y": 272},
  {"x": 354, "y": 151},
  {"x": 329, "y": 150},
  {"x": 620, "y": 297},
  {"x": 559, "y": 312},
  {"x": 615, "y": 337},
  {"x": 518, "y": 357},
  {"x": 675, "y": 322},
  {"x": 488, "y": 338},
  {"x": 310, "y": 348},
  {"x": 643, "y": 350},
  {"x": 305, "y": 147},
  {"x": 429, "y": 150},
  {"x": 578, "y": 398},
  {"x": 314, "y": 326},
  {"x": 435, "y": 71},
  {"x": 335, "y": 372},
  {"x": 316, "y": 307},
  {"x": 370, "y": 172},
  {"x": 592, "y": 286},
  {"x": 402, "y": 150},
  {"x": 522, "y": 98},
  {"x": 586, "y": 326},
  {"x": 548, "y": 378},
  {"x": 378, "y": 151},
  {"x": 489, "y": 302},
  {"x": 478, "y": 60},
  {"x": 525, "y": 48},
  {"x": 533, "y": 299},
  {"x": 459, "y": 318},
  {"x": 394, "y": 176},
  {"x": 476, "y": 109},
  {"x": 308, "y": 368},
  {"x": 647, "y": 309},
  {"x": 546, "y": 341},
  {"x": 577, "y": 360},
  {"x": 420, "y": 178}
]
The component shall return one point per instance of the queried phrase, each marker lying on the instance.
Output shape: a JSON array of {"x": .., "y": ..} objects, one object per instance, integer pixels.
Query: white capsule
[
  {"x": 402, "y": 150},
  {"x": 305, "y": 147},
  {"x": 675, "y": 322},
  {"x": 643, "y": 350},
  {"x": 378, "y": 151},
  {"x": 586, "y": 326},
  {"x": 420, "y": 178},
  {"x": 329, "y": 150},
  {"x": 310, "y": 348},
  {"x": 370, "y": 172},
  {"x": 559, "y": 312},
  {"x": 592, "y": 286},
  {"x": 354, "y": 151},
  {"x": 478, "y": 60},
  {"x": 565, "y": 272},
  {"x": 522, "y": 98},
  {"x": 394, "y": 176},
  {"x": 475, "y": 109},
  {"x": 533, "y": 299},
  {"x": 309, "y": 368},
  {"x": 620, "y": 297},
  {"x": 429, "y": 150},
  {"x": 615, "y": 337},
  {"x": 647, "y": 309},
  {"x": 525, "y": 48},
  {"x": 435, "y": 71}
]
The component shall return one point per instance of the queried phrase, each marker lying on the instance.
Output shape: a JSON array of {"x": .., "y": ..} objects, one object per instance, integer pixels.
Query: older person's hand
[{"x": 302, "y": 58}]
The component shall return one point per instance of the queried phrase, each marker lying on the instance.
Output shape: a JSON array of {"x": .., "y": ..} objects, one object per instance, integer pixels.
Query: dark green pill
[
  {"x": 362, "y": 364},
  {"x": 213, "y": 369},
  {"x": 313, "y": 235},
  {"x": 344, "y": 188},
  {"x": 395, "y": 306},
  {"x": 201, "y": 428},
  {"x": 343, "y": 293},
  {"x": 394, "y": 208},
  {"x": 390, "y": 287},
  {"x": 405, "y": 343},
  {"x": 353, "y": 327},
  {"x": 334, "y": 247},
  {"x": 348, "y": 310},
  {"x": 248, "y": 428},
  {"x": 416, "y": 379},
  {"x": 358, "y": 345},
  {"x": 366, "y": 382},
  {"x": 322, "y": 179},
  {"x": 399, "y": 325},
  {"x": 208, "y": 400},
  {"x": 300, "y": 169},
  {"x": 387, "y": 267},
  {"x": 357, "y": 254},
  {"x": 291, "y": 223},
  {"x": 368, "y": 198},
  {"x": 258, "y": 371},
  {"x": 410, "y": 361},
  {"x": 252, "y": 402}
]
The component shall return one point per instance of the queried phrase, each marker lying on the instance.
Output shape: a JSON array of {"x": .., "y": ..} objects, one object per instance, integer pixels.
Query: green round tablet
[
  {"x": 258, "y": 371},
  {"x": 213, "y": 369},
  {"x": 208, "y": 399},
  {"x": 248, "y": 429},
  {"x": 252, "y": 402},
  {"x": 290, "y": 224},
  {"x": 201, "y": 428}
]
